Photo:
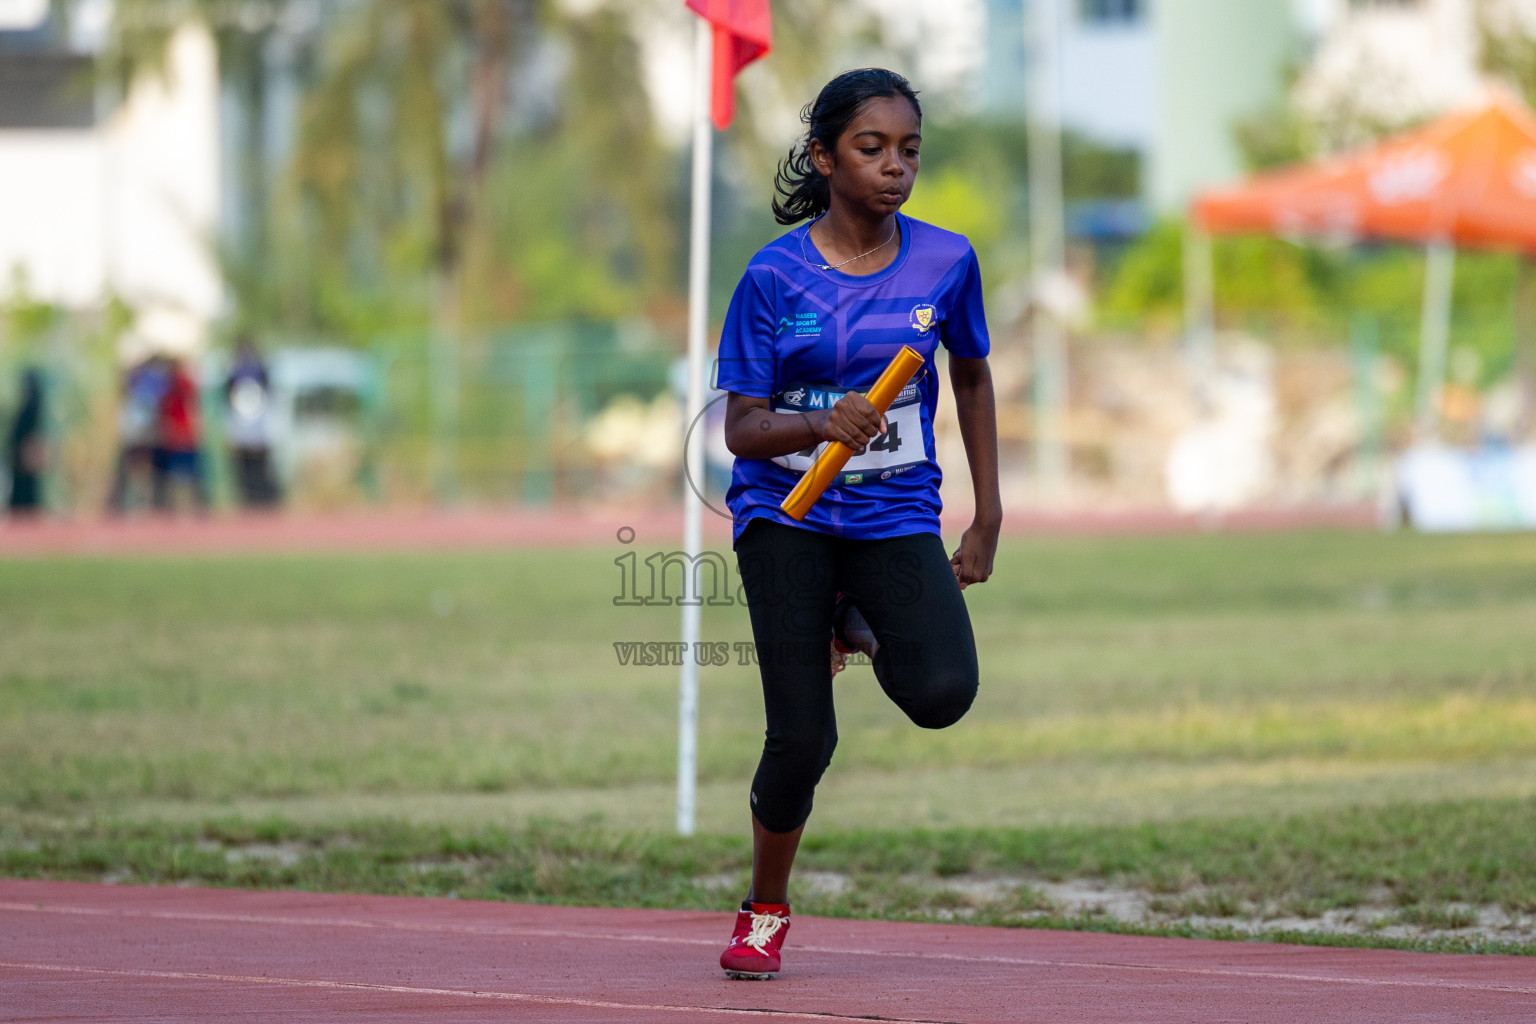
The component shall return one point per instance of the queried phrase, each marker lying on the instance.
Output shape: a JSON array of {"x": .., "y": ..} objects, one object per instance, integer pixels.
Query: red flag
[{"x": 743, "y": 33}]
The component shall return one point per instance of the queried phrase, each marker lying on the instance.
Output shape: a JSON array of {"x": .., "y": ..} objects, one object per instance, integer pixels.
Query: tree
[
  {"x": 399, "y": 178},
  {"x": 461, "y": 163},
  {"x": 1507, "y": 31}
]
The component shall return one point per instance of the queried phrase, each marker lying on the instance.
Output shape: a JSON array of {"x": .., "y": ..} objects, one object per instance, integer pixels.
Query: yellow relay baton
[{"x": 836, "y": 454}]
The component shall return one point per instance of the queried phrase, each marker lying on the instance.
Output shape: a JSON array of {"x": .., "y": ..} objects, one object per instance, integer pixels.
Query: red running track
[{"x": 83, "y": 952}]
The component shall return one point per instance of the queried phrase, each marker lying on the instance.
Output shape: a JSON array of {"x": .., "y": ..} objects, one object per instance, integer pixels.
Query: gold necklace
[{"x": 830, "y": 266}]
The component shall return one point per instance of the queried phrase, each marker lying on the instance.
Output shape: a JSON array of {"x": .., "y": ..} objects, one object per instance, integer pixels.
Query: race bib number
[{"x": 897, "y": 450}]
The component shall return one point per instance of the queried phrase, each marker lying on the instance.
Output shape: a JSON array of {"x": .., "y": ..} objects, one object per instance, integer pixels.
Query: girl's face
[{"x": 876, "y": 160}]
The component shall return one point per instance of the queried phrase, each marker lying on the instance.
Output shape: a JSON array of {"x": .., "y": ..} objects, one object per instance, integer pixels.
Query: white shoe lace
[{"x": 764, "y": 927}]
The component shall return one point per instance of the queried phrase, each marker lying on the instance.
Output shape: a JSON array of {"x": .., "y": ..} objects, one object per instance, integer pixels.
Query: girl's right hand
[{"x": 853, "y": 421}]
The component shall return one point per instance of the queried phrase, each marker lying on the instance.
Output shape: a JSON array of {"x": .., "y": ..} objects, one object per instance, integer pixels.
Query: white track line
[
  {"x": 463, "y": 993},
  {"x": 513, "y": 932}
]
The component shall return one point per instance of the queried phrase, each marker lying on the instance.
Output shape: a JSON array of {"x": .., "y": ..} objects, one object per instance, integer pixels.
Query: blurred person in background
[
  {"x": 144, "y": 385},
  {"x": 177, "y": 460},
  {"x": 27, "y": 448},
  {"x": 248, "y": 403}
]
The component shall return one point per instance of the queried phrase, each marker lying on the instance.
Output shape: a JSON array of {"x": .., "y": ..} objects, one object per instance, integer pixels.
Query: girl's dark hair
[{"x": 805, "y": 192}]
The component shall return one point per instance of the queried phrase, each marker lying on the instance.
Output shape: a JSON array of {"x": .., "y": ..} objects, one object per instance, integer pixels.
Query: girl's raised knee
[{"x": 944, "y": 701}]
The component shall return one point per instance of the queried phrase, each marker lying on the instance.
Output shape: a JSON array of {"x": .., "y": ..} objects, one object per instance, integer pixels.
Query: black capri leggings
[{"x": 906, "y": 591}]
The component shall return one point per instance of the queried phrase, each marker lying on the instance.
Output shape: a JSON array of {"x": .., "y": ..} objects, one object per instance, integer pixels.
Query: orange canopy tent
[{"x": 1466, "y": 180}]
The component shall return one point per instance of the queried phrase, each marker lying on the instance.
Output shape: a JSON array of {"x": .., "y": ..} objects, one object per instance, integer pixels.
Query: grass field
[{"x": 1348, "y": 685}]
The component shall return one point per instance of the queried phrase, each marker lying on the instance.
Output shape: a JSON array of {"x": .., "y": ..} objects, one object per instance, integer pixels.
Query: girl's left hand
[{"x": 973, "y": 561}]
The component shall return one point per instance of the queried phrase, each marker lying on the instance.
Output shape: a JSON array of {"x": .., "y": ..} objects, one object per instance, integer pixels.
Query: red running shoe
[{"x": 753, "y": 954}]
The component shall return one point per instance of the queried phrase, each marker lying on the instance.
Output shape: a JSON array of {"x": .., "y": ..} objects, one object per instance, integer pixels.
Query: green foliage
[
  {"x": 441, "y": 176},
  {"x": 82, "y": 343},
  {"x": 1289, "y": 286},
  {"x": 1148, "y": 281},
  {"x": 972, "y": 182},
  {"x": 465, "y": 164},
  {"x": 1387, "y": 283},
  {"x": 580, "y": 218},
  {"x": 433, "y": 180},
  {"x": 1276, "y": 277},
  {"x": 1430, "y": 860},
  {"x": 1094, "y": 171},
  {"x": 1249, "y": 725},
  {"x": 1274, "y": 138},
  {"x": 956, "y": 200},
  {"x": 26, "y": 322},
  {"x": 1300, "y": 294},
  {"x": 1188, "y": 671},
  {"x": 373, "y": 185},
  {"x": 1506, "y": 51}
]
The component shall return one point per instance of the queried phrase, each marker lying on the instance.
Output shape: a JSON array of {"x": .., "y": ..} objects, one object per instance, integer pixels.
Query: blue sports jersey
[{"x": 803, "y": 337}]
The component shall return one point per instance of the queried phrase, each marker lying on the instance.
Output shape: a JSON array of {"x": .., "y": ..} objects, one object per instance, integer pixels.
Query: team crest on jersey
[{"x": 924, "y": 317}]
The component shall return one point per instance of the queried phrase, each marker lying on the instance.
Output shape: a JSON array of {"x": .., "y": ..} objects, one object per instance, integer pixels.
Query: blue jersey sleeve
[
  {"x": 965, "y": 328},
  {"x": 746, "y": 364}
]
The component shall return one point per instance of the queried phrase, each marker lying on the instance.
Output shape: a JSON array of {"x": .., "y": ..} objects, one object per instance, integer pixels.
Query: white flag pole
[{"x": 693, "y": 504}]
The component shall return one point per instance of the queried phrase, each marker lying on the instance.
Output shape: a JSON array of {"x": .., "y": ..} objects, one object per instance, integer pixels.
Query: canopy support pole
[
  {"x": 1199, "y": 312},
  {"x": 1434, "y": 336},
  {"x": 1525, "y": 346},
  {"x": 693, "y": 504}
]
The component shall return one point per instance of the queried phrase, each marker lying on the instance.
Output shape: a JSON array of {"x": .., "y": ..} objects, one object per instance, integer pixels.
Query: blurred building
[
  {"x": 1107, "y": 58},
  {"x": 1166, "y": 78},
  {"x": 103, "y": 195},
  {"x": 1218, "y": 61}
]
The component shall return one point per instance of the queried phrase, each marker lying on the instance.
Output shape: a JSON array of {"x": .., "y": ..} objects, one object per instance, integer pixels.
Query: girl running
[{"x": 817, "y": 316}]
